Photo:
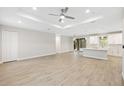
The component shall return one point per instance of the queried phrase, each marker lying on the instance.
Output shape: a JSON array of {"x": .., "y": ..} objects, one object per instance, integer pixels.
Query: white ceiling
[{"x": 107, "y": 19}]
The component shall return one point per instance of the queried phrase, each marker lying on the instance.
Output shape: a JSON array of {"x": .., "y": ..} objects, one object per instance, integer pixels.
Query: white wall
[
  {"x": 123, "y": 58},
  {"x": 88, "y": 45},
  {"x": 58, "y": 44},
  {"x": 33, "y": 43},
  {"x": 123, "y": 52},
  {"x": 64, "y": 44},
  {"x": 0, "y": 44}
]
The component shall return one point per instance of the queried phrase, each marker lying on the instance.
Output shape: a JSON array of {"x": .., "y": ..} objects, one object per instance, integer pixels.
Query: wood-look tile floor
[{"x": 64, "y": 69}]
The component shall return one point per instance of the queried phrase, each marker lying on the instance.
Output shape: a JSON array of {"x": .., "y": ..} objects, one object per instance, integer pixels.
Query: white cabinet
[
  {"x": 115, "y": 50},
  {"x": 115, "y": 44}
]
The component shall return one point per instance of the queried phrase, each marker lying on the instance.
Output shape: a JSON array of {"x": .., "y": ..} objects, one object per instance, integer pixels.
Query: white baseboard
[
  {"x": 25, "y": 58},
  {"x": 123, "y": 75},
  {"x": 65, "y": 51}
]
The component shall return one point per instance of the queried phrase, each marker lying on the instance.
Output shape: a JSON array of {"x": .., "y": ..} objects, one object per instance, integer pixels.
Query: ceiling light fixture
[
  {"x": 87, "y": 11},
  {"x": 62, "y": 16},
  {"x": 34, "y": 8}
]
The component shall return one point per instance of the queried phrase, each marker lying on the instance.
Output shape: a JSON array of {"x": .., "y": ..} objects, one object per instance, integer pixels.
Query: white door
[{"x": 9, "y": 46}]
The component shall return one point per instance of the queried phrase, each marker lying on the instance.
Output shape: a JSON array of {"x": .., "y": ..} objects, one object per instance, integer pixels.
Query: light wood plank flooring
[{"x": 64, "y": 69}]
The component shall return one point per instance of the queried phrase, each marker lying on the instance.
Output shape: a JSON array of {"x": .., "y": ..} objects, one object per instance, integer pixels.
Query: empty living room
[{"x": 61, "y": 46}]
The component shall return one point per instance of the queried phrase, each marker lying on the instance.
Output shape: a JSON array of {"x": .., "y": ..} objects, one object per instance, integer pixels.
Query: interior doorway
[
  {"x": 79, "y": 43},
  {"x": 9, "y": 46}
]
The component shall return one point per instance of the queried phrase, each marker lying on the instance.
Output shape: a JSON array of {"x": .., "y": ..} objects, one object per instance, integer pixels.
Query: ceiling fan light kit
[{"x": 62, "y": 16}]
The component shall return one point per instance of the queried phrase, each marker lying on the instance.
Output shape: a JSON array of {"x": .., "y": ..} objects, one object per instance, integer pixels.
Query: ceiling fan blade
[
  {"x": 54, "y": 14},
  {"x": 66, "y": 9},
  {"x": 69, "y": 17}
]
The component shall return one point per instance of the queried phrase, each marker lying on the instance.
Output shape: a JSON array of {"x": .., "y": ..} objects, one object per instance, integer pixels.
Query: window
[
  {"x": 103, "y": 41},
  {"x": 93, "y": 40}
]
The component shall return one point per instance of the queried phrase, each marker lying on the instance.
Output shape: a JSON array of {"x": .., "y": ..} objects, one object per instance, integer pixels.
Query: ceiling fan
[{"x": 62, "y": 15}]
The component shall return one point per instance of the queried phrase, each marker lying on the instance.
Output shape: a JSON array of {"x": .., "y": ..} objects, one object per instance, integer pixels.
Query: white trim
[
  {"x": 123, "y": 75},
  {"x": 36, "y": 56},
  {"x": 65, "y": 51},
  {"x": 26, "y": 58}
]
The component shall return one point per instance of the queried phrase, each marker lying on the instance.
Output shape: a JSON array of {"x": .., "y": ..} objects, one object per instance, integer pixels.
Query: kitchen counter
[{"x": 95, "y": 53}]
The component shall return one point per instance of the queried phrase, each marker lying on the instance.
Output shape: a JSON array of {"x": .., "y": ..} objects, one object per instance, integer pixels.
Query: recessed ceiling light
[
  {"x": 19, "y": 21},
  {"x": 34, "y": 8},
  {"x": 87, "y": 11}
]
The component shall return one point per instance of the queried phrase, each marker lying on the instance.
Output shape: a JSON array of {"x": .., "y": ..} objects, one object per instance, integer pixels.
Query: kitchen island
[{"x": 95, "y": 53}]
